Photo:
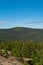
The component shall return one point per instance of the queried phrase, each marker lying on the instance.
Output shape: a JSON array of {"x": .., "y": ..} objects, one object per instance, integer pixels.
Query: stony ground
[{"x": 9, "y": 61}]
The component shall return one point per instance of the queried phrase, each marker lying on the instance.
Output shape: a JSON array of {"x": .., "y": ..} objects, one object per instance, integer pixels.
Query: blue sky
[{"x": 21, "y": 13}]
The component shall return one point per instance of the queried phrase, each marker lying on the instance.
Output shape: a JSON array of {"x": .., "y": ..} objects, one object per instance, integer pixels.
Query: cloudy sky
[{"x": 21, "y": 13}]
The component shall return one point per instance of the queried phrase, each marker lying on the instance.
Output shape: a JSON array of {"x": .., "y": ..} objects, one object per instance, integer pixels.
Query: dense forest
[
  {"x": 21, "y": 33},
  {"x": 23, "y": 49}
]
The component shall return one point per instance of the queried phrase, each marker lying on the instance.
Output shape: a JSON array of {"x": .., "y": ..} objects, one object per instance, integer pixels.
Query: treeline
[{"x": 24, "y": 49}]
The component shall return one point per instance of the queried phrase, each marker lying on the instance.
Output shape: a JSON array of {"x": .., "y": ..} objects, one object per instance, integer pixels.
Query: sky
[{"x": 21, "y": 13}]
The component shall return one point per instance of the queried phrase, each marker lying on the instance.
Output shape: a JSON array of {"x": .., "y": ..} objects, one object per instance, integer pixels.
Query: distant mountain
[{"x": 21, "y": 33}]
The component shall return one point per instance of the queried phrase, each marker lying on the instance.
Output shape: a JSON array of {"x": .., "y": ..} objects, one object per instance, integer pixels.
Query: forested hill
[{"x": 21, "y": 33}]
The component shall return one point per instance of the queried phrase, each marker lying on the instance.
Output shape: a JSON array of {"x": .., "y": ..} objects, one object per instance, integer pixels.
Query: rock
[
  {"x": 9, "y": 61},
  {"x": 1, "y": 63}
]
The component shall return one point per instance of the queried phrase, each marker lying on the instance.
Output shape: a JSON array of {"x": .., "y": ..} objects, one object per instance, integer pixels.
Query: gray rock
[
  {"x": 13, "y": 63},
  {"x": 1, "y": 63}
]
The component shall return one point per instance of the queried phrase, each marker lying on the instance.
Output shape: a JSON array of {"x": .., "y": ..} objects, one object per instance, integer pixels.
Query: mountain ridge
[{"x": 21, "y": 33}]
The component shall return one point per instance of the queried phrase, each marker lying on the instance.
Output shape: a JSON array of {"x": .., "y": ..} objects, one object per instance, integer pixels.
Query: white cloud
[
  {"x": 3, "y": 22},
  {"x": 34, "y": 22}
]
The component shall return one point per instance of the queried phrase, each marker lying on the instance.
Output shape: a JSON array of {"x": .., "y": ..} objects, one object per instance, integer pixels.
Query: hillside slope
[{"x": 21, "y": 33}]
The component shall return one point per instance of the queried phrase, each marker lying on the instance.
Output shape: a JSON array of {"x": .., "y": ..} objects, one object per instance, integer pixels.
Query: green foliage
[
  {"x": 24, "y": 49},
  {"x": 25, "y": 63}
]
